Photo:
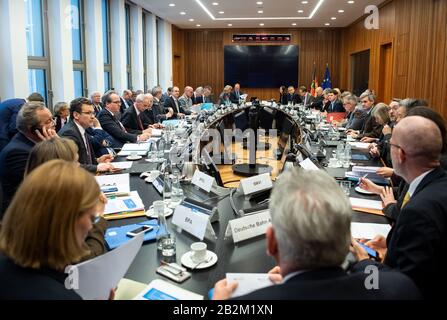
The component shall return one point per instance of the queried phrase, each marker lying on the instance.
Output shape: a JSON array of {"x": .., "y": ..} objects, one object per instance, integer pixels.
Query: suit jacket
[
  {"x": 130, "y": 121},
  {"x": 170, "y": 103},
  {"x": 98, "y": 108},
  {"x": 197, "y": 99},
  {"x": 308, "y": 99},
  {"x": 13, "y": 159},
  {"x": 158, "y": 111},
  {"x": 283, "y": 98},
  {"x": 71, "y": 131},
  {"x": 356, "y": 119},
  {"x": 317, "y": 103},
  {"x": 123, "y": 107},
  {"x": 185, "y": 105},
  {"x": 112, "y": 126},
  {"x": 337, "y": 107},
  {"x": 19, "y": 283},
  {"x": 371, "y": 128},
  {"x": 235, "y": 97},
  {"x": 336, "y": 284},
  {"x": 8, "y": 116},
  {"x": 417, "y": 243},
  {"x": 295, "y": 98},
  {"x": 59, "y": 123}
]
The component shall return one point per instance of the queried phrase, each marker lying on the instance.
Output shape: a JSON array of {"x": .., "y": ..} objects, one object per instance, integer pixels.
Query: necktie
[
  {"x": 140, "y": 123},
  {"x": 89, "y": 149},
  {"x": 176, "y": 105},
  {"x": 406, "y": 199}
]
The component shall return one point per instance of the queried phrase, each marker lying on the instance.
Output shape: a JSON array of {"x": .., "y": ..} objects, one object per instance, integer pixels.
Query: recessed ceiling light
[
  {"x": 294, "y": 24},
  {"x": 221, "y": 12},
  {"x": 230, "y": 25},
  {"x": 300, "y": 11},
  {"x": 351, "y": 2},
  {"x": 327, "y": 24},
  {"x": 260, "y": 11},
  {"x": 259, "y": 2},
  {"x": 215, "y": 3},
  {"x": 333, "y": 18},
  {"x": 183, "y": 13},
  {"x": 198, "y": 25},
  {"x": 172, "y": 4},
  {"x": 341, "y": 11},
  {"x": 304, "y": 2},
  {"x": 261, "y": 24},
  {"x": 191, "y": 20}
]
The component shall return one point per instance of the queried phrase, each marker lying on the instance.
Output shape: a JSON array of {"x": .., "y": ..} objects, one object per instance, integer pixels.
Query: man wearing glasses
[
  {"x": 82, "y": 115},
  {"x": 135, "y": 119},
  {"x": 110, "y": 123},
  {"x": 371, "y": 128}
]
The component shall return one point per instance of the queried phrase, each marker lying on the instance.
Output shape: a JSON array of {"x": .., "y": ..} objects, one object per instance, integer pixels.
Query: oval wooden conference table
[{"x": 246, "y": 257}]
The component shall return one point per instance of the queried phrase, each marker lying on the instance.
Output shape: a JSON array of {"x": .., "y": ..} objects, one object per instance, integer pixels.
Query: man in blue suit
[{"x": 34, "y": 124}]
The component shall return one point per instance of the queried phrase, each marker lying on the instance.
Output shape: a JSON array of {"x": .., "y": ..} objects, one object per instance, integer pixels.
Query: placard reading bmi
[{"x": 254, "y": 38}]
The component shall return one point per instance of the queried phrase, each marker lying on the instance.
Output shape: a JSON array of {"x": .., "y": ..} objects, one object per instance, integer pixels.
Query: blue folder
[
  {"x": 117, "y": 236},
  {"x": 207, "y": 106},
  {"x": 171, "y": 123}
]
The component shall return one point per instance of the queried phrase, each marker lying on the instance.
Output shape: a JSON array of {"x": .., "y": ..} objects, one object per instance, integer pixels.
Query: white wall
[
  {"x": 136, "y": 31},
  {"x": 118, "y": 44},
  {"x": 151, "y": 50},
  {"x": 13, "y": 54},
  {"x": 165, "y": 54}
]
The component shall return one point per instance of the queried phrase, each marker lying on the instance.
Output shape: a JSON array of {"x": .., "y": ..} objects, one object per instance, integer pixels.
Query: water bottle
[
  {"x": 177, "y": 191},
  {"x": 167, "y": 189},
  {"x": 161, "y": 147},
  {"x": 162, "y": 231}
]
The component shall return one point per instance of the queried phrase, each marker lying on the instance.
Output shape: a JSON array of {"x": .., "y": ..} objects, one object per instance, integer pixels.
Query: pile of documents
[
  {"x": 366, "y": 172},
  {"x": 140, "y": 149}
]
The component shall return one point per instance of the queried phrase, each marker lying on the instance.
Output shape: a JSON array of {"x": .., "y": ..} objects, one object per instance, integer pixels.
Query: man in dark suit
[
  {"x": 371, "y": 128},
  {"x": 34, "y": 124},
  {"x": 417, "y": 243},
  {"x": 208, "y": 94},
  {"x": 110, "y": 124},
  {"x": 334, "y": 104},
  {"x": 355, "y": 118},
  {"x": 82, "y": 115},
  {"x": 96, "y": 100},
  {"x": 292, "y": 96},
  {"x": 318, "y": 101},
  {"x": 157, "y": 112},
  {"x": 8, "y": 115},
  {"x": 197, "y": 97},
  {"x": 166, "y": 95},
  {"x": 135, "y": 119},
  {"x": 173, "y": 103},
  {"x": 306, "y": 98},
  {"x": 236, "y": 94},
  {"x": 126, "y": 101},
  {"x": 310, "y": 238}
]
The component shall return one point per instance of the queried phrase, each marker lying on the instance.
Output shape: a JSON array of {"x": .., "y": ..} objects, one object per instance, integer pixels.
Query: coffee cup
[{"x": 198, "y": 252}]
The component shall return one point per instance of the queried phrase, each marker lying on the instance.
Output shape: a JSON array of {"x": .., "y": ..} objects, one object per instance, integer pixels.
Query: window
[
  {"x": 157, "y": 25},
  {"x": 36, "y": 30},
  {"x": 128, "y": 49},
  {"x": 106, "y": 45},
  {"x": 144, "y": 53},
  {"x": 77, "y": 31}
]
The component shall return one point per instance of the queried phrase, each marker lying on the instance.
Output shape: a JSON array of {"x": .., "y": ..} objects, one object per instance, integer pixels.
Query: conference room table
[{"x": 245, "y": 257}]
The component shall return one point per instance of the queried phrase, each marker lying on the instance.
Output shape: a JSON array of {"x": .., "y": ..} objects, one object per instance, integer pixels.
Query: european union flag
[{"x": 327, "y": 83}]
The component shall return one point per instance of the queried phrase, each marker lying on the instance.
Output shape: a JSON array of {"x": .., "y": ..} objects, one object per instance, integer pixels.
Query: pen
[{"x": 360, "y": 180}]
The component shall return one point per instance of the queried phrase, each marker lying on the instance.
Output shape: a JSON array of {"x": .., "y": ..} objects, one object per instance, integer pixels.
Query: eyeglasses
[
  {"x": 91, "y": 113},
  {"x": 396, "y": 146}
]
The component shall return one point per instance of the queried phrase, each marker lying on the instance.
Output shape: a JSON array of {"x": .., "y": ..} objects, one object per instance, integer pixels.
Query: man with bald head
[
  {"x": 135, "y": 119},
  {"x": 417, "y": 243},
  {"x": 186, "y": 101}
]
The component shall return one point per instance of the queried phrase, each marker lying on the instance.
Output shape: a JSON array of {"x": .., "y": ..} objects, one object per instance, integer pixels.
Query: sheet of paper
[
  {"x": 359, "y": 145},
  {"x": 124, "y": 204},
  {"x": 369, "y": 230},
  {"x": 361, "y": 169},
  {"x": 97, "y": 277},
  {"x": 162, "y": 290},
  {"x": 114, "y": 184},
  {"x": 366, "y": 204},
  {"x": 123, "y": 165},
  {"x": 156, "y": 132},
  {"x": 248, "y": 282},
  {"x": 308, "y": 165},
  {"x": 135, "y": 147}
]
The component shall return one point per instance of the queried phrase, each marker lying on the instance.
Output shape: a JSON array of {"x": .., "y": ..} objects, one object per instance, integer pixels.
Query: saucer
[
  {"x": 130, "y": 158},
  {"x": 151, "y": 214},
  {"x": 187, "y": 262},
  {"x": 362, "y": 191}
]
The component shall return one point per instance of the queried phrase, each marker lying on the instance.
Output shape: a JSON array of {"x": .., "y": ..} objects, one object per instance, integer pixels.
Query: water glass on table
[{"x": 346, "y": 187}]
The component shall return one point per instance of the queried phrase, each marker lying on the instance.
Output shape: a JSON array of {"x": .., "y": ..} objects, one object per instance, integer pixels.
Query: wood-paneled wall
[
  {"x": 416, "y": 29},
  {"x": 202, "y": 53}
]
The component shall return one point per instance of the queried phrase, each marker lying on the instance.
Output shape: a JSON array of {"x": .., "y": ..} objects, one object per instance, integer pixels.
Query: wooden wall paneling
[{"x": 179, "y": 58}]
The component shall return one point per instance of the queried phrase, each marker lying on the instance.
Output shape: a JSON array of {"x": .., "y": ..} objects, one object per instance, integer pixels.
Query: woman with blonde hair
[
  {"x": 66, "y": 149},
  {"x": 61, "y": 113},
  {"x": 41, "y": 235}
]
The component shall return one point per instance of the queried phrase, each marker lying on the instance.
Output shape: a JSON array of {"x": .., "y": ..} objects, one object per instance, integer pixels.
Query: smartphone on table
[{"x": 142, "y": 229}]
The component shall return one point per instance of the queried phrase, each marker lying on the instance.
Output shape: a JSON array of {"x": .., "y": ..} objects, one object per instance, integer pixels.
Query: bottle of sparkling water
[
  {"x": 177, "y": 191},
  {"x": 162, "y": 231},
  {"x": 167, "y": 189}
]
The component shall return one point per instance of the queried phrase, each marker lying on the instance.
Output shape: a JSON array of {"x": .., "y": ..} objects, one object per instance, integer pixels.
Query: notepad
[
  {"x": 369, "y": 230},
  {"x": 129, "y": 203},
  {"x": 118, "y": 184},
  {"x": 248, "y": 282},
  {"x": 366, "y": 204}
]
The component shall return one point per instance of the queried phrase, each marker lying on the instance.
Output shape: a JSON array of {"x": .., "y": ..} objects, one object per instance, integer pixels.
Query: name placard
[
  {"x": 250, "y": 226},
  {"x": 191, "y": 220},
  {"x": 256, "y": 184},
  {"x": 203, "y": 181}
]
